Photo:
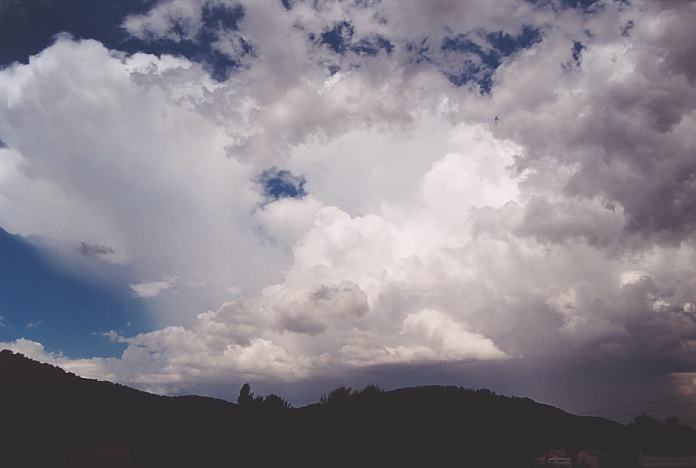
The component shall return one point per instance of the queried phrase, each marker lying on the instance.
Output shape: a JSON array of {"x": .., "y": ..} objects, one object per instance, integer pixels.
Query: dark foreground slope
[{"x": 49, "y": 418}]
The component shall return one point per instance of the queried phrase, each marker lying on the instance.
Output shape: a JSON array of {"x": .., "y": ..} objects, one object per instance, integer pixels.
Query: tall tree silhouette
[{"x": 246, "y": 396}]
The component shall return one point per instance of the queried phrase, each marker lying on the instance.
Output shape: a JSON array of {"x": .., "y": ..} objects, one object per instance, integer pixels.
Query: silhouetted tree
[
  {"x": 275, "y": 402},
  {"x": 370, "y": 391},
  {"x": 246, "y": 396},
  {"x": 337, "y": 396}
]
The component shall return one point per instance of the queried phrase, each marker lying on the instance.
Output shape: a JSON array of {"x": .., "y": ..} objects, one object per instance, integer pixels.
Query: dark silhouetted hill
[{"x": 50, "y": 418}]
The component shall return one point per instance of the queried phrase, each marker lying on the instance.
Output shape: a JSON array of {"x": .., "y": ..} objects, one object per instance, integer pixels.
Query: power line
[{"x": 645, "y": 403}]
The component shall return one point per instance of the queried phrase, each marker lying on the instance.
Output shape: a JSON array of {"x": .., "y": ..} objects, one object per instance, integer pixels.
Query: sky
[{"x": 300, "y": 194}]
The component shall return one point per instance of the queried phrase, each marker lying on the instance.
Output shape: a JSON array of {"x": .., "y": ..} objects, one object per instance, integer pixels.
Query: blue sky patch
[
  {"x": 506, "y": 44},
  {"x": 419, "y": 50},
  {"x": 578, "y": 47},
  {"x": 29, "y": 26},
  {"x": 340, "y": 38},
  {"x": 42, "y": 302},
  {"x": 372, "y": 46},
  {"x": 281, "y": 183},
  {"x": 481, "y": 56},
  {"x": 586, "y": 6},
  {"x": 216, "y": 20}
]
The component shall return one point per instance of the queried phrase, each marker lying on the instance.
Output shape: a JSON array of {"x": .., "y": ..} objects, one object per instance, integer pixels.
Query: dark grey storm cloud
[{"x": 94, "y": 250}]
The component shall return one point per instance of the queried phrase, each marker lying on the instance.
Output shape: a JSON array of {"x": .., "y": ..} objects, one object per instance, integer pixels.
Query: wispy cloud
[{"x": 152, "y": 288}]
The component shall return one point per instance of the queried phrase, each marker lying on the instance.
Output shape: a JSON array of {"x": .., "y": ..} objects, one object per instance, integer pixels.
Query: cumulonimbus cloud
[{"x": 435, "y": 223}]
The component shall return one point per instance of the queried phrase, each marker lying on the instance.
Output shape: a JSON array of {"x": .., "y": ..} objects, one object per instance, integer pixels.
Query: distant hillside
[{"x": 50, "y": 418}]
